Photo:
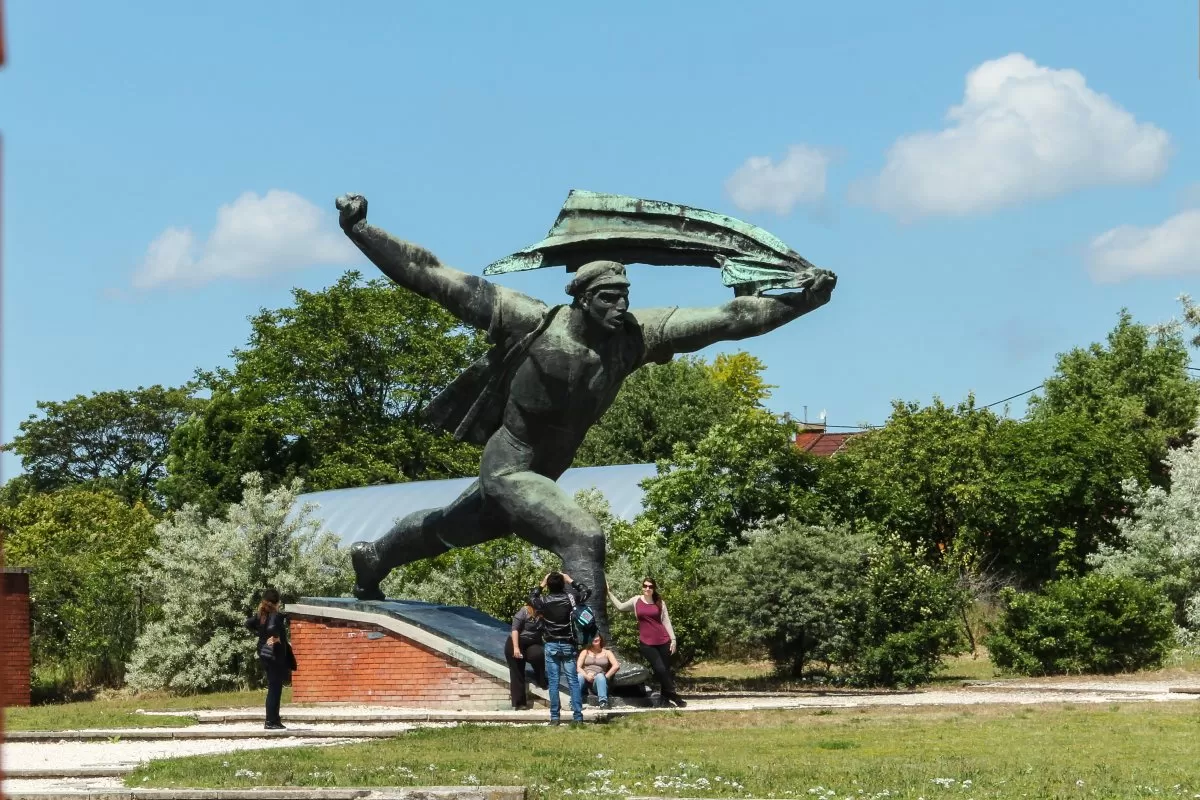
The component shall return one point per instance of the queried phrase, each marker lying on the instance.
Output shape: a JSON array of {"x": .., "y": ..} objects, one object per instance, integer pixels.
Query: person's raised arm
[
  {"x": 691, "y": 329},
  {"x": 466, "y": 296},
  {"x": 618, "y": 605}
]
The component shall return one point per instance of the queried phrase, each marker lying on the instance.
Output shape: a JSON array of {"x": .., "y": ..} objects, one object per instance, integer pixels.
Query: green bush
[
  {"x": 1097, "y": 623},
  {"x": 780, "y": 592},
  {"x": 899, "y": 620}
]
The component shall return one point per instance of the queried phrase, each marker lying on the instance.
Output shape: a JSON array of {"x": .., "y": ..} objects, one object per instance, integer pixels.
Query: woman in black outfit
[
  {"x": 274, "y": 652},
  {"x": 524, "y": 646}
]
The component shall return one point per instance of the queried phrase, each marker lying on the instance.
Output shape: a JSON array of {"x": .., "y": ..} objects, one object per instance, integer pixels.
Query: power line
[
  {"x": 989, "y": 405},
  {"x": 1015, "y": 396}
]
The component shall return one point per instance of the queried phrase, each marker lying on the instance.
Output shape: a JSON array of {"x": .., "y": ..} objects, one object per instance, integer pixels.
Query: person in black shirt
[
  {"x": 554, "y": 599},
  {"x": 524, "y": 646},
  {"x": 274, "y": 652}
]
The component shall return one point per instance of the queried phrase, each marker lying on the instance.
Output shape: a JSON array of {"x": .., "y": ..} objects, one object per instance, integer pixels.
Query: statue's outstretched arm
[
  {"x": 466, "y": 296},
  {"x": 691, "y": 329}
]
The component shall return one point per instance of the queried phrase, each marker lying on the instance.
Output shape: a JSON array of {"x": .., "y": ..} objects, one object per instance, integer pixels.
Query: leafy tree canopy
[
  {"x": 330, "y": 389},
  {"x": 114, "y": 439}
]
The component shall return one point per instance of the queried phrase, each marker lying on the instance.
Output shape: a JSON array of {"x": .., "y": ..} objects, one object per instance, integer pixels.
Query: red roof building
[{"x": 813, "y": 438}]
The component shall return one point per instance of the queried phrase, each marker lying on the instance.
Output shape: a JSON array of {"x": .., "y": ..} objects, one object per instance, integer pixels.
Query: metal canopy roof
[{"x": 366, "y": 513}]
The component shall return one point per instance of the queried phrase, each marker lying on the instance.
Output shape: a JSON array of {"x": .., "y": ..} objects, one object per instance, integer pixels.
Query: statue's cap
[{"x": 595, "y": 274}]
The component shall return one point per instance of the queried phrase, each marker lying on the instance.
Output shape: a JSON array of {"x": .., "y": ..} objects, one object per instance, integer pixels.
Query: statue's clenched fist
[
  {"x": 353, "y": 208},
  {"x": 821, "y": 288}
]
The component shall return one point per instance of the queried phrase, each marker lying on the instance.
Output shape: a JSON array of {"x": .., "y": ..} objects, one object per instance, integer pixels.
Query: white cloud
[
  {"x": 254, "y": 236},
  {"x": 1130, "y": 251},
  {"x": 1022, "y": 132},
  {"x": 760, "y": 184}
]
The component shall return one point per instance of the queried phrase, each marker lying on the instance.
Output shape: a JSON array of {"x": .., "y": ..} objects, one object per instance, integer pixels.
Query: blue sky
[{"x": 971, "y": 245}]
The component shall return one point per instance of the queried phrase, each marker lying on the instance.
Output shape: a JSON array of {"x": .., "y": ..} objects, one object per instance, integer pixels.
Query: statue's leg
[
  {"x": 423, "y": 534},
  {"x": 545, "y": 515}
]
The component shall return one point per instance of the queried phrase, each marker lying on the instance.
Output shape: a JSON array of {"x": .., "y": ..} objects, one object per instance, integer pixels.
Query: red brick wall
[
  {"x": 15, "y": 662},
  {"x": 340, "y": 663}
]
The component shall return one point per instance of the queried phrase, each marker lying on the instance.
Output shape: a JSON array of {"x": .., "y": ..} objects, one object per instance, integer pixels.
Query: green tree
[
  {"x": 330, "y": 389},
  {"x": 781, "y": 592},
  {"x": 85, "y": 547},
  {"x": 1138, "y": 380},
  {"x": 743, "y": 473},
  {"x": 925, "y": 475},
  {"x": 742, "y": 373},
  {"x": 114, "y": 439},
  {"x": 1025, "y": 500},
  {"x": 1055, "y": 495},
  {"x": 235, "y": 433},
  {"x": 662, "y": 405}
]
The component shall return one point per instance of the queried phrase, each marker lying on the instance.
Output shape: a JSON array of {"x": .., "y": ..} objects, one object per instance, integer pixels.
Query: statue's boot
[
  {"x": 367, "y": 572},
  {"x": 630, "y": 673}
]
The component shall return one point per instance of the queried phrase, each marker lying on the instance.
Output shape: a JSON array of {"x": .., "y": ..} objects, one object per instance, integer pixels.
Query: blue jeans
[
  {"x": 600, "y": 684},
  {"x": 560, "y": 657}
]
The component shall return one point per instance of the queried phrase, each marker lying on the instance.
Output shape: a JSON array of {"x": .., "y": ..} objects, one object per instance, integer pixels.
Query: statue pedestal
[{"x": 399, "y": 653}]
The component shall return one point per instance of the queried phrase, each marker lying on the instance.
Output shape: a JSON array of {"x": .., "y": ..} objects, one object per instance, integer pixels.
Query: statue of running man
[{"x": 552, "y": 372}]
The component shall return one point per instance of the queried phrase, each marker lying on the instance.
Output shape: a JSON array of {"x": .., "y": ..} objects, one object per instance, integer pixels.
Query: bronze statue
[{"x": 553, "y": 372}]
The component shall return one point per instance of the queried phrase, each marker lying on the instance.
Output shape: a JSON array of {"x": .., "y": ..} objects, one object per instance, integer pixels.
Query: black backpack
[{"x": 583, "y": 623}]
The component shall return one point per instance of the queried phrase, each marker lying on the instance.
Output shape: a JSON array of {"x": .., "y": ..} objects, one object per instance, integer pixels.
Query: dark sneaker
[
  {"x": 603, "y": 704},
  {"x": 275, "y": 726},
  {"x": 679, "y": 701},
  {"x": 554, "y": 722},
  {"x": 366, "y": 571}
]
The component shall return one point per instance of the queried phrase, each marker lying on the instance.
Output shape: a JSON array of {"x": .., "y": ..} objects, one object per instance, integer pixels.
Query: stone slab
[{"x": 284, "y": 793}]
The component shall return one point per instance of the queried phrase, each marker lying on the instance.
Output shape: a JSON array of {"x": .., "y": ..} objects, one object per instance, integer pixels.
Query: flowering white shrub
[
  {"x": 206, "y": 576},
  {"x": 1160, "y": 541}
]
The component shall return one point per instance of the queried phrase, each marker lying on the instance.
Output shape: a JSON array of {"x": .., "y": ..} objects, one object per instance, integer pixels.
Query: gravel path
[{"x": 37, "y": 755}]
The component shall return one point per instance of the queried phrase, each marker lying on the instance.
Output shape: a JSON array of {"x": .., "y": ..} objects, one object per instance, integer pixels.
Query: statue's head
[{"x": 601, "y": 290}]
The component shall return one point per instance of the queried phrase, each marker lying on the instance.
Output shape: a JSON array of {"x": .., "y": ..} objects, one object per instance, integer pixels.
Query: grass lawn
[
  {"x": 121, "y": 712},
  {"x": 1057, "y": 751}
]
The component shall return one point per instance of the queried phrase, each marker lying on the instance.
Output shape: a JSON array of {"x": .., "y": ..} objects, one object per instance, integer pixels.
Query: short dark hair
[
  {"x": 555, "y": 582},
  {"x": 271, "y": 596}
]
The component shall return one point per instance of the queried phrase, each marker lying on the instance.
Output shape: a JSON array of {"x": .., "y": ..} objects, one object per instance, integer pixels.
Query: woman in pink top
[{"x": 656, "y": 637}]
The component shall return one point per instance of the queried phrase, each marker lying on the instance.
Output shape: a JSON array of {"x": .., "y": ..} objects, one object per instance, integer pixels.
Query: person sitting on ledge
[{"x": 596, "y": 665}]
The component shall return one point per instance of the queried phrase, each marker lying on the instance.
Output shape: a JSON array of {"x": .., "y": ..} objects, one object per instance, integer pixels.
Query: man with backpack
[{"x": 560, "y": 601}]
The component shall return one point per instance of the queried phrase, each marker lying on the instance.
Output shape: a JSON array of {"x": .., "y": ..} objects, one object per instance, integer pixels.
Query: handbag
[{"x": 267, "y": 651}]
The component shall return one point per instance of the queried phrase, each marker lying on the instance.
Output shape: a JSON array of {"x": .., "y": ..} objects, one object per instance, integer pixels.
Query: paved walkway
[{"x": 103, "y": 756}]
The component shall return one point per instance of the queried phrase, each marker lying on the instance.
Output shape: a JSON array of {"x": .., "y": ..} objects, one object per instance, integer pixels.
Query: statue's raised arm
[
  {"x": 470, "y": 298},
  {"x": 687, "y": 330}
]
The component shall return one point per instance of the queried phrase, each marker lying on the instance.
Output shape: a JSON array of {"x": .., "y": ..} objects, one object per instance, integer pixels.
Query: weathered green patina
[{"x": 593, "y": 225}]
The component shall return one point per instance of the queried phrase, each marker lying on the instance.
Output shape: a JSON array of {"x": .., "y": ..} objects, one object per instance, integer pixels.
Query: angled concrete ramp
[{"x": 462, "y": 634}]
